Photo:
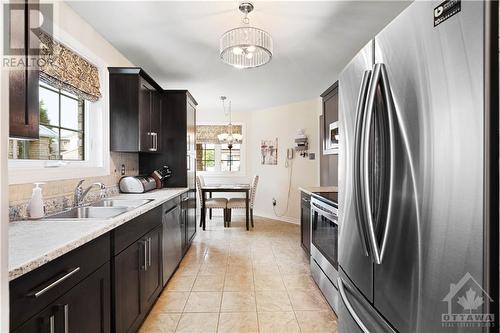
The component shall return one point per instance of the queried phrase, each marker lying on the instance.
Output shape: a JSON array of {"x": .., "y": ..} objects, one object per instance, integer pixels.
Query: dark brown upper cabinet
[
  {"x": 23, "y": 82},
  {"x": 135, "y": 101},
  {"x": 330, "y": 120}
]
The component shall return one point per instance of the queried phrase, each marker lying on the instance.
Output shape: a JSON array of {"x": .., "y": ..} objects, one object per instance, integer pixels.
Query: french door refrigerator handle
[
  {"x": 379, "y": 74},
  {"x": 358, "y": 206},
  {"x": 391, "y": 113},
  {"x": 349, "y": 307}
]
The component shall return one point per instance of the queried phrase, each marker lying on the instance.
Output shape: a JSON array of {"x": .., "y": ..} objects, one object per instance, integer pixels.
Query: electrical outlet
[{"x": 274, "y": 202}]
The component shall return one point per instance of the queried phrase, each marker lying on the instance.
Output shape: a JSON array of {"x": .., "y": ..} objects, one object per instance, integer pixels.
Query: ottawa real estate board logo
[{"x": 467, "y": 302}]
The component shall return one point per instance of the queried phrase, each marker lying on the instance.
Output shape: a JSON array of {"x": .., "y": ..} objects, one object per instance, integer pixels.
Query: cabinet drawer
[
  {"x": 131, "y": 231},
  {"x": 32, "y": 292}
]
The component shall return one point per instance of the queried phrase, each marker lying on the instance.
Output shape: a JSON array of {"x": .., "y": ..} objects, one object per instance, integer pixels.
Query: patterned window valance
[
  {"x": 64, "y": 69},
  {"x": 208, "y": 133}
]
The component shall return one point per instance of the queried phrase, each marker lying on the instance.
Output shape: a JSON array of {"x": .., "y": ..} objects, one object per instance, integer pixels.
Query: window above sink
[{"x": 90, "y": 157}]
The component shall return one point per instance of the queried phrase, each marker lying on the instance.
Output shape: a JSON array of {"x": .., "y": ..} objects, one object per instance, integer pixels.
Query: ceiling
[{"x": 177, "y": 44}]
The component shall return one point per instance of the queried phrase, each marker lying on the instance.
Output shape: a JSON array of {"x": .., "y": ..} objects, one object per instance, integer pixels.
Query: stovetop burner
[{"x": 330, "y": 197}]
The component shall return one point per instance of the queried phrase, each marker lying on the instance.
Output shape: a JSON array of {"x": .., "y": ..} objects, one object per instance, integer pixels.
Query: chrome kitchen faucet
[{"x": 80, "y": 193}]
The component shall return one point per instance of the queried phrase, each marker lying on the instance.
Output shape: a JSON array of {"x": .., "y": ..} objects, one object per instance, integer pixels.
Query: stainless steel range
[{"x": 324, "y": 245}]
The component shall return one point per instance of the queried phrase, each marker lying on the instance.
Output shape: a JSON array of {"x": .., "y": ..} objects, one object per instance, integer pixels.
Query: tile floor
[{"x": 233, "y": 280}]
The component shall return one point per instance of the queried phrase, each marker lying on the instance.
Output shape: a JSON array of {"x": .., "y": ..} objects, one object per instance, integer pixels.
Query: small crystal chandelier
[
  {"x": 229, "y": 138},
  {"x": 246, "y": 46}
]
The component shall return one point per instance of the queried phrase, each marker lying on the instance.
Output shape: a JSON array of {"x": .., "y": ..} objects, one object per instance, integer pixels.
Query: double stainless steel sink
[{"x": 103, "y": 209}]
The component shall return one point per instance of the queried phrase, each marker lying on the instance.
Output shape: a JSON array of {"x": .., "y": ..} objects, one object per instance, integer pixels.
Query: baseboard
[{"x": 286, "y": 219}]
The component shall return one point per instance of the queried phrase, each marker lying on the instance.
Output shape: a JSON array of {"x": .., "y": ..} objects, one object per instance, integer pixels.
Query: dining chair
[
  {"x": 240, "y": 203},
  {"x": 210, "y": 203}
]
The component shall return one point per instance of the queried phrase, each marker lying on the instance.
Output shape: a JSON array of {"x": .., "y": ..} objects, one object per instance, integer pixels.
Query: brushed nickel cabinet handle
[
  {"x": 149, "y": 251},
  {"x": 145, "y": 249},
  {"x": 66, "y": 318},
  {"x": 52, "y": 325},
  {"x": 42, "y": 291}
]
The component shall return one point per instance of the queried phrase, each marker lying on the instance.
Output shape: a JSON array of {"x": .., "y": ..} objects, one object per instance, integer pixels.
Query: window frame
[
  {"x": 230, "y": 160},
  {"x": 59, "y": 128},
  {"x": 96, "y": 161},
  {"x": 204, "y": 160},
  {"x": 242, "y": 170}
]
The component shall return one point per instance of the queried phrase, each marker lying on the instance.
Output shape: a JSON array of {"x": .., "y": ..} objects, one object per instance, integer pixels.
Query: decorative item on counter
[
  {"x": 161, "y": 175},
  {"x": 137, "y": 184},
  {"x": 36, "y": 210},
  {"x": 301, "y": 143}
]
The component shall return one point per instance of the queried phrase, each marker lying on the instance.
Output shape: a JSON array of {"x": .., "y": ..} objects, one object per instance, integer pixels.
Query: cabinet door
[
  {"x": 330, "y": 115},
  {"x": 151, "y": 274},
  {"x": 305, "y": 224},
  {"x": 43, "y": 322},
  {"x": 145, "y": 105},
  {"x": 23, "y": 82},
  {"x": 191, "y": 144},
  {"x": 126, "y": 287},
  {"x": 86, "y": 307},
  {"x": 155, "y": 119}
]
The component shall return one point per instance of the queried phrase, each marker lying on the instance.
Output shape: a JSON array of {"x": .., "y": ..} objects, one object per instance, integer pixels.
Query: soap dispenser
[{"x": 35, "y": 207}]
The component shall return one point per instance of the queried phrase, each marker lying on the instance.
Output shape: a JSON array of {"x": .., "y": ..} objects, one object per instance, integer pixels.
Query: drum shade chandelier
[{"x": 246, "y": 46}]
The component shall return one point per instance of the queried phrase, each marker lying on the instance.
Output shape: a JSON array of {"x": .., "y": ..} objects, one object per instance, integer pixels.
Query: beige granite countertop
[
  {"x": 311, "y": 189},
  {"x": 35, "y": 243}
]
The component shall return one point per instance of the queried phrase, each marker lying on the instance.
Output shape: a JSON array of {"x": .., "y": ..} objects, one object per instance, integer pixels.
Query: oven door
[{"x": 324, "y": 238}]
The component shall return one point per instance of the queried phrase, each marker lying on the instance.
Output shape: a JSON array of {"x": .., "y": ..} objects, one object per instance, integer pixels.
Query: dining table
[{"x": 225, "y": 188}]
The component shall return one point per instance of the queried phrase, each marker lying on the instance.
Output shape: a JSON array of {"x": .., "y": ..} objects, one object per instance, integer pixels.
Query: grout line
[{"x": 288, "y": 294}]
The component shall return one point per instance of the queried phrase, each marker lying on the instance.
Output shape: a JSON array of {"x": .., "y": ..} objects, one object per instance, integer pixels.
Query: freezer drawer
[{"x": 355, "y": 313}]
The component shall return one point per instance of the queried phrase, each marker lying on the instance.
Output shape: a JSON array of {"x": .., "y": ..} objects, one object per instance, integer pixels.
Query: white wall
[{"x": 280, "y": 122}]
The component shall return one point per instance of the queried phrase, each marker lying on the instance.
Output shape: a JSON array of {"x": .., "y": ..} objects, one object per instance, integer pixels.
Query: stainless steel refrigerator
[{"x": 418, "y": 173}]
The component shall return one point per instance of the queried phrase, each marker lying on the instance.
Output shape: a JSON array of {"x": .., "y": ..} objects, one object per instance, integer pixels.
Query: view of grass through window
[{"x": 61, "y": 128}]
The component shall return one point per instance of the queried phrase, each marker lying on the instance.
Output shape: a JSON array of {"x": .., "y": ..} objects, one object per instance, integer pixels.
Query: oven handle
[{"x": 324, "y": 212}]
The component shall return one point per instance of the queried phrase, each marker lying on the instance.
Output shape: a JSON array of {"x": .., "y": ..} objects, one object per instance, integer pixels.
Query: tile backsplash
[{"x": 58, "y": 194}]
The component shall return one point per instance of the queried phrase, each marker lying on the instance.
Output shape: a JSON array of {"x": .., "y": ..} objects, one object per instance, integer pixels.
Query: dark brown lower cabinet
[
  {"x": 137, "y": 273},
  {"x": 84, "y": 291},
  {"x": 152, "y": 274},
  {"x": 127, "y": 285},
  {"x": 85, "y": 308},
  {"x": 305, "y": 222}
]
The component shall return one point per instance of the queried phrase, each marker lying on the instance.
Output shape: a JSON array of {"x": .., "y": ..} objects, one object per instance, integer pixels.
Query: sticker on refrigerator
[{"x": 446, "y": 10}]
